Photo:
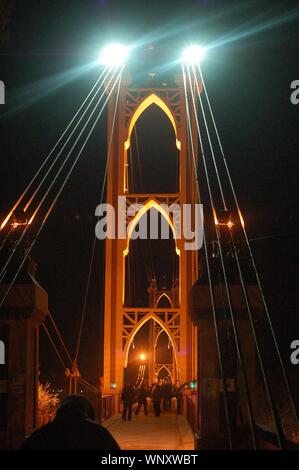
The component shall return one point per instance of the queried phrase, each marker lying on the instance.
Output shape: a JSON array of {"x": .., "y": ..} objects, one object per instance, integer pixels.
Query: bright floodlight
[
  {"x": 192, "y": 55},
  {"x": 142, "y": 357},
  {"x": 113, "y": 55}
]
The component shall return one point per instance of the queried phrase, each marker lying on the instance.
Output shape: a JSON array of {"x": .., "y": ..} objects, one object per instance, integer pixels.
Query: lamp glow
[
  {"x": 193, "y": 55},
  {"x": 142, "y": 357},
  {"x": 114, "y": 55}
]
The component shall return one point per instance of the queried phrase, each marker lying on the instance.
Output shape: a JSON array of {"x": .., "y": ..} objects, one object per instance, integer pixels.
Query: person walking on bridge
[
  {"x": 127, "y": 398},
  {"x": 167, "y": 394},
  {"x": 156, "y": 397},
  {"x": 142, "y": 400}
]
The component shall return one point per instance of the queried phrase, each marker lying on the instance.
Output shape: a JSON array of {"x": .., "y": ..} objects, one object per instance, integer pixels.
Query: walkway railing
[
  {"x": 191, "y": 412},
  {"x": 108, "y": 406}
]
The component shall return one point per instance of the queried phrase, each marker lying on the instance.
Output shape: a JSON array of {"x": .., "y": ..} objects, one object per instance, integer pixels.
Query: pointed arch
[
  {"x": 148, "y": 101},
  {"x": 167, "y": 370},
  {"x": 151, "y": 203},
  {"x": 158, "y": 335},
  {"x": 146, "y": 318},
  {"x": 160, "y": 332},
  {"x": 167, "y": 297}
]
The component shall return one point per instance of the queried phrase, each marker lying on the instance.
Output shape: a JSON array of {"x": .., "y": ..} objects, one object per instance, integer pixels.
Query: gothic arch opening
[
  {"x": 151, "y": 265},
  {"x": 144, "y": 341},
  {"x": 163, "y": 350},
  {"x": 153, "y": 155},
  {"x": 140, "y": 344},
  {"x": 164, "y": 301},
  {"x": 164, "y": 375}
]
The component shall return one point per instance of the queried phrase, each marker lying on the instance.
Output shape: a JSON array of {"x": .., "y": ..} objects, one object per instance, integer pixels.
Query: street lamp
[
  {"x": 193, "y": 55},
  {"x": 114, "y": 55},
  {"x": 142, "y": 357}
]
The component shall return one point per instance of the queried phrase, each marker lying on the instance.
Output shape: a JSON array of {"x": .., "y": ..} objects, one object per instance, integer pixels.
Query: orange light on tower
[
  {"x": 224, "y": 219},
  {"x": 142, "y": 357},
  {"x": 19, "y": 219}
]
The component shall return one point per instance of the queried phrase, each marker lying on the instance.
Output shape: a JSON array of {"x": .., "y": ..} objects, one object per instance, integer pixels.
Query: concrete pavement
[{"x": 167, "y": 432}]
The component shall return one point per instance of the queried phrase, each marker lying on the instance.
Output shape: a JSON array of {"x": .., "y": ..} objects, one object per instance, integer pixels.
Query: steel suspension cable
[
  {"x": 208, "y": 135},
  {"x": 80, "y": 379},
  {"x": 229, "y": 339},
  {"x": 56, "y": 176},
  {"x": 65, "y": 144},
  {"x": 228, "y": 293},
  {"x": 58, "y": 194},
  {"x": 48, "y": 156},
  {"x": 209, "y": 140},
  {"x": 73, "y": 147},
  {"x": 285, "y": 375},
  {"x": 60, "y": 336},
  {"x": 94, "y": 239},
  {"x": 91, "y": 387},
  {"x": 275, "y": 416},
  {"x": 54, "y": 346},
  {"x": 221, "y": 367}
]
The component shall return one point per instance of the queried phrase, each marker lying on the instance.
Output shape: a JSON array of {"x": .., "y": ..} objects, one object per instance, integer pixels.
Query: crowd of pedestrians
[
  {"x": 75, "y": 427},
  {"x": 163, "y": 394}
]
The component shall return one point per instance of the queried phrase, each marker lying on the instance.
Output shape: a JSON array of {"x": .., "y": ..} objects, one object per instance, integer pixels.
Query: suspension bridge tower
[{"x": 122, "y": 321}]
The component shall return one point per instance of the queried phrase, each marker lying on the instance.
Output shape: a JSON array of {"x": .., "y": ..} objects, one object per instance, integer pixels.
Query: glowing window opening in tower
[{"x": 146, "y": 103}]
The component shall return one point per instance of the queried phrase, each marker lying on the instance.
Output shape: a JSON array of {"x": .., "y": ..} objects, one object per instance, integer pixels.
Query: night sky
[{"x": 45, "y": 62}]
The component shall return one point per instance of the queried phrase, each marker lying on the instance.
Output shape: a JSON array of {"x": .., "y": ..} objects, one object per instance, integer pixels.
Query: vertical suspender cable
[
  {"x": 50, "y": 154},
  {"x": 55, "y": 178},
  {"x": 285, "y": 375},
  {"x": 95, "y": 239},
  {"x": 278, "y": 428},
  {"x": 59, "y": 192},
  {"x": 65, "y": 144},
  {"x": 275, "y": 416},
  {"x": 228, "y": 293},
  {"x": 221, "y": 368},
  {"x": 276, "y": 419}
]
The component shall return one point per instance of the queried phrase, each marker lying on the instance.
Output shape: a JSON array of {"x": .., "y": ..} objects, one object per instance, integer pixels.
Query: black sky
[{"x": 249, "y": 84}]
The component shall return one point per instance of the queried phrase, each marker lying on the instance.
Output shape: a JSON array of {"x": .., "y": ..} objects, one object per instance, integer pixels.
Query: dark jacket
[
  {"x": 142, "y": 395},
  {"x": 78, "y": 434},
  {"x": 127, "y": 394},
  {"x": 157, "y": 393}
]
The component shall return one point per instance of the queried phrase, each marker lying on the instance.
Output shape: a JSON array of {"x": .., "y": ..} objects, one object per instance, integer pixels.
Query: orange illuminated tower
[{"x": 122, "y": 322}]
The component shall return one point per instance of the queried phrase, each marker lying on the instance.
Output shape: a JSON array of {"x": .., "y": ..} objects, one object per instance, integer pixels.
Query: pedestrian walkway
[{"x": 167, "y": 432}]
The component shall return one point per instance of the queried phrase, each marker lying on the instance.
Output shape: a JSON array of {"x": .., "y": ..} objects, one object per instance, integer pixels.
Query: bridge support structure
[
  {"x": 212, "y": 426},
  {"x": 122, "y": 322},
  {"x": 25, "y": 309}
]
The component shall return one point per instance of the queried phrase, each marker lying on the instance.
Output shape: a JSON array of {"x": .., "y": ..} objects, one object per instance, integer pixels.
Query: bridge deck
[{"x": 167, "y": 432}]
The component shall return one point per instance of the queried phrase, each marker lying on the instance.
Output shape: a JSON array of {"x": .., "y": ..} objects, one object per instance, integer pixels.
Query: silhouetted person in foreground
[
  {"x": 142, "y": 400},
  {"x": 127, "y": 398},
  {"x": 74, "y": 428}
]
